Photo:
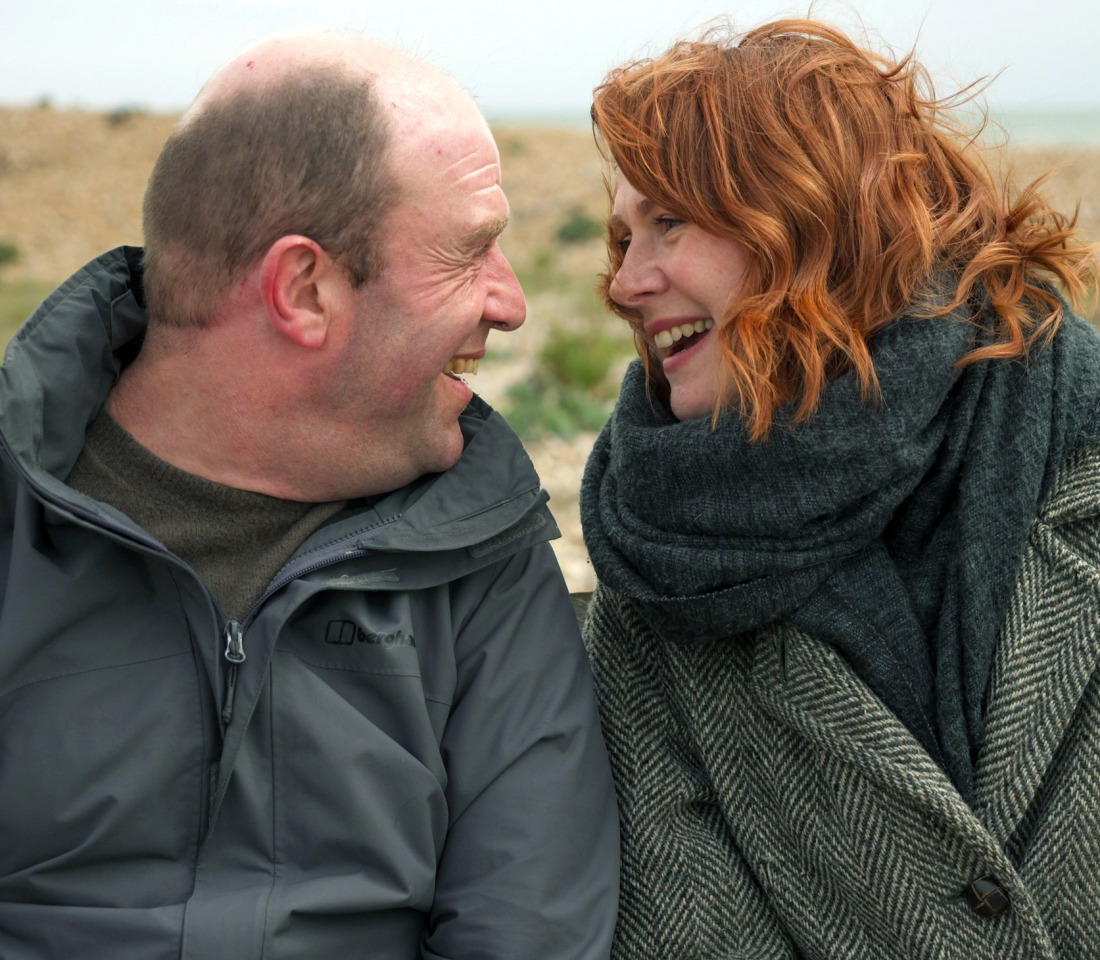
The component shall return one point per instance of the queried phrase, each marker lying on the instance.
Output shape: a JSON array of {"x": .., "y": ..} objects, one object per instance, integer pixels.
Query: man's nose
[{"x": 505, "y": 306}]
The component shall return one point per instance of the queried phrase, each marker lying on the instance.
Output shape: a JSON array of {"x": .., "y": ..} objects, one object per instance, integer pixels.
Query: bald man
[{"x": 287, "y": 668}]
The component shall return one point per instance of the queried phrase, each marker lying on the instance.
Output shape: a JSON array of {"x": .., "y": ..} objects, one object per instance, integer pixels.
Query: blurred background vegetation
[
  {"x": 17, "y": 299},
  {"x": 71, "y": 184}
]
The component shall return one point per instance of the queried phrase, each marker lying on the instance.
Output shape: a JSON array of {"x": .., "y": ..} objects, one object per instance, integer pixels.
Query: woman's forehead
[{"x": 626, "y": 194}]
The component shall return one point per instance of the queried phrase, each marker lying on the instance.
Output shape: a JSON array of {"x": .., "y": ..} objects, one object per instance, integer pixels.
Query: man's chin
[
  {"x": 438, "y": 453},
  {"x": 450, "y": 453}
]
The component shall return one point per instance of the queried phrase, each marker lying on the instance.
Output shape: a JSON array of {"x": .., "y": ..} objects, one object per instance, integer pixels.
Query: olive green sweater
[{"x": 235, "y": 540}]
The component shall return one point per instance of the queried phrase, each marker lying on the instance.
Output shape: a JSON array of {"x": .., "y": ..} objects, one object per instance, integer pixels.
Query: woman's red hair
[{"x": 853, "y": 192}]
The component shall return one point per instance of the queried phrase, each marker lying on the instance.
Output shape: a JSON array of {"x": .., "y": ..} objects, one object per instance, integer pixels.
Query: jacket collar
[{"x": 62, "y": 362}]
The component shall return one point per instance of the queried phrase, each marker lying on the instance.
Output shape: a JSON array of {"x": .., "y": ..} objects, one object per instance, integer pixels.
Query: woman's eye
[
  {"x": 622, "y": 243},
  {"x": 664, "y": 224}
]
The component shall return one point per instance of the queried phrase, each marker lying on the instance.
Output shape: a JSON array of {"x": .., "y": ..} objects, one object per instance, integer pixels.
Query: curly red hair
[{"x": 853, "y": 190}]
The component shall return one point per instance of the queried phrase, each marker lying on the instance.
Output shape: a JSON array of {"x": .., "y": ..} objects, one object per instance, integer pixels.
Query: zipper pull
[
  {"x": 234, "y": 642},
  {"x": 234, "y": 653}
]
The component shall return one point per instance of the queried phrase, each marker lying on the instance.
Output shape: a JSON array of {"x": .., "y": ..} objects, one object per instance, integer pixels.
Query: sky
[{"x": 520, "y": 57}]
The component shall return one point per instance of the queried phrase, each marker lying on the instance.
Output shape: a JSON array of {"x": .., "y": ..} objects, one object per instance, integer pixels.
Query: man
[{"x": 286, "y": 666}]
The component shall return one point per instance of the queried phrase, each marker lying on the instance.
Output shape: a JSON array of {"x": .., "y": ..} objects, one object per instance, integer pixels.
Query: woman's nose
[{"x": 636, "y": 277}]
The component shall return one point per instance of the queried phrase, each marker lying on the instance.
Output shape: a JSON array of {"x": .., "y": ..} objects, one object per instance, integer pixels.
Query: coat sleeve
[{"x": 530, "y": 866}]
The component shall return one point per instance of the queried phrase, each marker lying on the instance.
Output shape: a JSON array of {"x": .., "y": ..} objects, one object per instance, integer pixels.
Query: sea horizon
[{"x": 1023, "y": 126}]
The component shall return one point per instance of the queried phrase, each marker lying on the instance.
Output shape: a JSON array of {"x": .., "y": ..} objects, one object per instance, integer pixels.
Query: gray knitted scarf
[{"x": 893, "y": 530}]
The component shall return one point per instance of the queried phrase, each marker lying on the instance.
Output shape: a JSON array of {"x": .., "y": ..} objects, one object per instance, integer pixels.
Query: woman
[{"x": 846, "y": 522}]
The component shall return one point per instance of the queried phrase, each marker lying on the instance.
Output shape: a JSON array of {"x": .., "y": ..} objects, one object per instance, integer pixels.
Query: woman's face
[{"x": 680, "y": 280}]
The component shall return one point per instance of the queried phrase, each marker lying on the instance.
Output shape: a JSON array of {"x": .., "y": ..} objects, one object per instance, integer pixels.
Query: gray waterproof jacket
[{"x": 394, "y": 754}]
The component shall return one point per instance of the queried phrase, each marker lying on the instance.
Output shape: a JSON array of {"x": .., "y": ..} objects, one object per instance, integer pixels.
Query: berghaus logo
[{"x": 345, "y": 633}]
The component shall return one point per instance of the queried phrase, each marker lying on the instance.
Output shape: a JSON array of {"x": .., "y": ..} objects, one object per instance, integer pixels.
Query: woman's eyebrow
[{"x": 643, "y": 207}]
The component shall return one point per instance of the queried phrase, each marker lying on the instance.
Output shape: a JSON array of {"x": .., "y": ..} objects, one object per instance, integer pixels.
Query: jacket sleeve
[{"x": 530, "y": 866}]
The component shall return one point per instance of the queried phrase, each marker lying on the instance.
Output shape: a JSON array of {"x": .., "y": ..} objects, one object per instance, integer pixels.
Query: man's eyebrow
[{"x": 485, "y": 234}]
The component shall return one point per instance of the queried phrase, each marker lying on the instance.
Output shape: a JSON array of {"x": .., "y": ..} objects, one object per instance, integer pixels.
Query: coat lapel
[
  {"x": 1049, "y": 649},
  {"x": 811, "y": 688}
]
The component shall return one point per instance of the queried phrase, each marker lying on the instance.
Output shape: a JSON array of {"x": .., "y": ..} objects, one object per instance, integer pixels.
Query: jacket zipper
[
  {"x": 234, "y": 629},
  {"x": 234, "y": 653}
]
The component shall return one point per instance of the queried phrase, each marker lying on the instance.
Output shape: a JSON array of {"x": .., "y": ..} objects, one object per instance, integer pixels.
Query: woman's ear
[{"x": 298, "y": 282}]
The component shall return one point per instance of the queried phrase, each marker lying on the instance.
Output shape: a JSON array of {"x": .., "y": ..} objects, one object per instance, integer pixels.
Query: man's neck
[
  {"x": 237, "y": 417},
  {"x": 186, "y": 421}
]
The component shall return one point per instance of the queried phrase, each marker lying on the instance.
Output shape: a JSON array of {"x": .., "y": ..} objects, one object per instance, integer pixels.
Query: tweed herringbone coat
[{"x": 772, "y": 807}]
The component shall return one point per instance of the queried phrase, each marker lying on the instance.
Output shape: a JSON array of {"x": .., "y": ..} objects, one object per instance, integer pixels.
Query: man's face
[{"x": 445, "y": 285}]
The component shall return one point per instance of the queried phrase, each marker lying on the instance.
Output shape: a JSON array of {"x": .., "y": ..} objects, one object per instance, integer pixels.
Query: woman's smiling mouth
[{"x": 671, "y": 340}]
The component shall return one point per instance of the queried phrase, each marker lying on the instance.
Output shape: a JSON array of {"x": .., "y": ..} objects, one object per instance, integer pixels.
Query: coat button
[{"x": 986, "y": 898}]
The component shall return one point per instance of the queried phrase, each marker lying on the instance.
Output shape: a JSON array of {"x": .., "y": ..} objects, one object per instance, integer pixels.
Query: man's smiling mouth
[{"x": 460, "y": 365}]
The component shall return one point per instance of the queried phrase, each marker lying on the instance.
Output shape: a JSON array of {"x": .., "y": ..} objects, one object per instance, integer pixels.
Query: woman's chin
[
  {"x": 691, "y": 397},
  {"x": 689, "y": 407},
  {"x": 694, "y": 378}
]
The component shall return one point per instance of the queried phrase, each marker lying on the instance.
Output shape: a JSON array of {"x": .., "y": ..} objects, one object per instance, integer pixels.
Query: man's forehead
[
  {"x": 442, "y": 117},
  {"x": 460, "y": 154}
]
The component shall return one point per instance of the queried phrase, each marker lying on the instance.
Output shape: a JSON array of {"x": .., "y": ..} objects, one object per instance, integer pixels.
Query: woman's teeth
[
  {"x": 461, "y": 366},
  {"x": 666, "y": 338}
]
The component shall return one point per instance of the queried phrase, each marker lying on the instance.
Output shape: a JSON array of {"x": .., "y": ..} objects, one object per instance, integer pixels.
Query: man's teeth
[
  {"x": 666, "y": 338},
  {"x": 461, "y": 366}
]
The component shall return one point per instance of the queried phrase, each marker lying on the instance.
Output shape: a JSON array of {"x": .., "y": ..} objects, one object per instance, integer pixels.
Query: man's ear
[{"x": 300, "y": 284}]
